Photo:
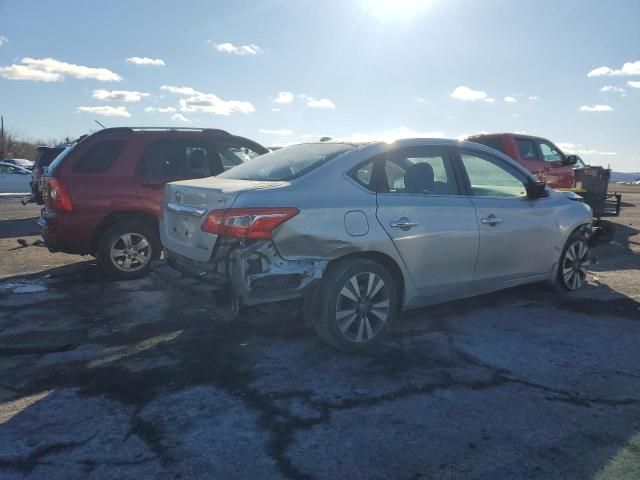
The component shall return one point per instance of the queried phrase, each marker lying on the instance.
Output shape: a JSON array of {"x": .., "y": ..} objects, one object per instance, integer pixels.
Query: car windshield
[{"x": 287, "y": 163}]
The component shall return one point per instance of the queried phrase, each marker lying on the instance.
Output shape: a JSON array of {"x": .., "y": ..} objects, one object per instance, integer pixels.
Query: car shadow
[
  {"x": 22, "y": 227},
  {"x": 621, "y": 253}
]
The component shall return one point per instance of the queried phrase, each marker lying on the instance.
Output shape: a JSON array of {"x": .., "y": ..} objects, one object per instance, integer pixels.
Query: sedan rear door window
[{"x": 420, "y": 170}]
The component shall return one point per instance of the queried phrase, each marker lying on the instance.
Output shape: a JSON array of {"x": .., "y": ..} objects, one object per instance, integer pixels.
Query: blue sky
[{"x": 285, "y": 71}]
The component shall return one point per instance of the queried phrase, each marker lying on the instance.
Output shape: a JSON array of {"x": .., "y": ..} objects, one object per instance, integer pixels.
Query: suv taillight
[
  {"x": 59, "y": 197},
  {"x": 257, "y": 223}
]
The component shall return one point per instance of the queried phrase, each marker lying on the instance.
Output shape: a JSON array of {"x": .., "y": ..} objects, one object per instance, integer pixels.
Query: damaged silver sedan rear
[{"x": 358, "y": 232}]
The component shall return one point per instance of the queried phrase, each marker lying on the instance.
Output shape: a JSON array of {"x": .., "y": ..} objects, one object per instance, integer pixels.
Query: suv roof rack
[{"x": 152, "y": 129}]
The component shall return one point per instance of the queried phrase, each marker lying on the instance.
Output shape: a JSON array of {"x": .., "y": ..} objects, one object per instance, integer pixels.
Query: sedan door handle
[
  {"x": 491, "y": 220},
  {"x": 404, "y": 223}
]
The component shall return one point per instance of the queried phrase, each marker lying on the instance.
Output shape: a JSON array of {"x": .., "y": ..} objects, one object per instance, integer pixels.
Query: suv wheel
[
  {"x": 357, "y": 303},
  {"x": 126, "y": 249},
  {"x": 574, "y": 264}
]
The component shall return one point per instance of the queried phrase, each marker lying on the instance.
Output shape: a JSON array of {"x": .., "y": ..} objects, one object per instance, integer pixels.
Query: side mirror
[
  {"x": 537, "y": 190},
  {"x": 570, "y": 160}
]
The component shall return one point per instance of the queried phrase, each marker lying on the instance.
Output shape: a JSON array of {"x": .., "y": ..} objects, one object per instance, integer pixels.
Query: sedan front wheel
[{"x": 574, "y": 264}]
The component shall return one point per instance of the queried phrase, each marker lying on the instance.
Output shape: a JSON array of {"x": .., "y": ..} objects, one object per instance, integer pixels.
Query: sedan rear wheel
[
  {"x": 362, "y": 308},
  {"x": 357, "y": 303}
]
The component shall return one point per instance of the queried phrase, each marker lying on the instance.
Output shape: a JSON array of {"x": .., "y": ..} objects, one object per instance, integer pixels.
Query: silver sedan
[{"x": 361, "y": 231}]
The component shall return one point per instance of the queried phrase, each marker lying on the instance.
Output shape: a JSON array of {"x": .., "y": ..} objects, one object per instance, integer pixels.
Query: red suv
[
  {"x": 538, "y": 155},
  {"x": 103, "y": 195}
]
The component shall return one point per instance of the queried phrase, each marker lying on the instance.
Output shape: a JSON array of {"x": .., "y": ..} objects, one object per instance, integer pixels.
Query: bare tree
[{"x": 11, "y": 146}]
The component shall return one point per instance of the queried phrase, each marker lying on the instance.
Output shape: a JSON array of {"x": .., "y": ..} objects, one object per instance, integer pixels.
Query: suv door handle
[
  {"x": 404, "y": 223},
  {"x": 491, "y": 220},
  {"x": 152, "y": 185}
]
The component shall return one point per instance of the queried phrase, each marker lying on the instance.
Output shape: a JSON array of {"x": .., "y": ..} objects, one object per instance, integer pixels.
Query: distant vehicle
[
  {"x": 358, "y": 231},
  {"x": 13, "y": 178},
  {"x": 103, "y": 195},
  {"x": 20, "y": 162},
  {"x": 536, "y": 154},
  {"x": 46, "y": 155}
]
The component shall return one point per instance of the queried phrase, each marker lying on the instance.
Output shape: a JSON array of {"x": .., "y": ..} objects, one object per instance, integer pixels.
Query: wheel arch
[
  {"x": 119, "y": 216},
  {"x": 384, "y": 260}
]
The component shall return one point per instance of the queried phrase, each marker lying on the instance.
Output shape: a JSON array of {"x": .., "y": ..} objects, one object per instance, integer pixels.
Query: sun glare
[{"x": 387, "y": 10}]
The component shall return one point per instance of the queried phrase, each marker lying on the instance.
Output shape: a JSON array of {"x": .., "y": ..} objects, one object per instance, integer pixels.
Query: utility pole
[{"x": 2, "y": 137}]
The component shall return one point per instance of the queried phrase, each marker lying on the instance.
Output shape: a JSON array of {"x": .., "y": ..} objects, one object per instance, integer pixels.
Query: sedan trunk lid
[{"x": 186, "y": 204}]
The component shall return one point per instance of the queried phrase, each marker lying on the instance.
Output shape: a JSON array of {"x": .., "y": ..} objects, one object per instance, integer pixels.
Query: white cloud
[
  {"x": 275, "y": 109},
  {"x": 418, "y": 99},
  {"x": 119, "y": 95},
  {"x": 633, "y": 84},
  {"x": 568, "y": 147},
  {"x": 612, "y": 88},
  {"x": 283, "y": 97},
  {"x": 207, "y": 102},
  {"x": 282, "y": 132},
  {"x": 228, "y": 47},
  {"x": 210, "y": 103},
  {"x": 22, "y": 72},
  {"x": 3, "y": 40},
  {"x": 628, "y": 69},
  {"x": 510, "y": 99},
  {"x": 534, "y": 98},
  {"x": 467, "y": 94},
  {"x": 52, "y": 70},
  {"x": 319, "y": 103},
  {"x": 595, "y": 108},
  {"x": 178, "y": 117},
  {"x": 179, "y": 90},
  {"x": 160, "y": 109},
  {"x": 106, "y": 111},
  {"x": 157, "y": 62}
]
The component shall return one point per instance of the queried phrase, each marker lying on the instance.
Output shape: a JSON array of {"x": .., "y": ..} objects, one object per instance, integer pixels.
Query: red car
[
  {"x": 538, "y": 155},
  {"x": 103, "y": 195}
]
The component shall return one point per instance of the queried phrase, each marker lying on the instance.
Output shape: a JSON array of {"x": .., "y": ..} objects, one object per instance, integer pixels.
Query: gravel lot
[{"x": 109, "y": 380}]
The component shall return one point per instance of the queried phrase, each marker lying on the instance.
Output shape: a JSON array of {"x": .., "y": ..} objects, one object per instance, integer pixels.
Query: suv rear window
[
  {"x": 287, "y": 163},
  {"x": 99, "y": 157}
]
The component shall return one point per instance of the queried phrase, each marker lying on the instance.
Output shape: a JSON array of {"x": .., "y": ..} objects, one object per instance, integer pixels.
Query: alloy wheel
[
  {"x": 575, "y": 265},
  {"x": 362, "y": 307},
  {"x": 130, "y": 252}
]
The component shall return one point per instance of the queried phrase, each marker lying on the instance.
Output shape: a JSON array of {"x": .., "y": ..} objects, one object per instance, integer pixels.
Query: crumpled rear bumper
[{"x": 242, "y": 274}]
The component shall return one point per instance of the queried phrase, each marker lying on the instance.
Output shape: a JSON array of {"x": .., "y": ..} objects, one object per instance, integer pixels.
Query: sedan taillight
[{"x": 256, "y": 223}]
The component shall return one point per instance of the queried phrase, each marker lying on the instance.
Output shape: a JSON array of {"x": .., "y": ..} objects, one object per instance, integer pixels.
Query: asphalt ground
[{"x": 108, "y": 380}]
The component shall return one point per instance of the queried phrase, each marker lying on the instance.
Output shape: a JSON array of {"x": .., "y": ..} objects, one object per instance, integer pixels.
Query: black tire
[
  {"x": 368, "y": 318},
  {"x": 111, "y": 238},
  {"x": 564, "y": 280}
]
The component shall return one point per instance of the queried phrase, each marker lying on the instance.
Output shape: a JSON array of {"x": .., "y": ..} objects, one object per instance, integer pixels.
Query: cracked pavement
[{"x": 109, "y": 380}]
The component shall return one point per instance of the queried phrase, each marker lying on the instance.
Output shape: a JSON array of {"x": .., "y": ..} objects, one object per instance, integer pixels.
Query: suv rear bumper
[{"x": 68, "y": 233}]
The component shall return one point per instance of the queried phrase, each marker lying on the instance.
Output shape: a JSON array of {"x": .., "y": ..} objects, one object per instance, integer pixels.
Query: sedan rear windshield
[{"x": 287, "y": 163}]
